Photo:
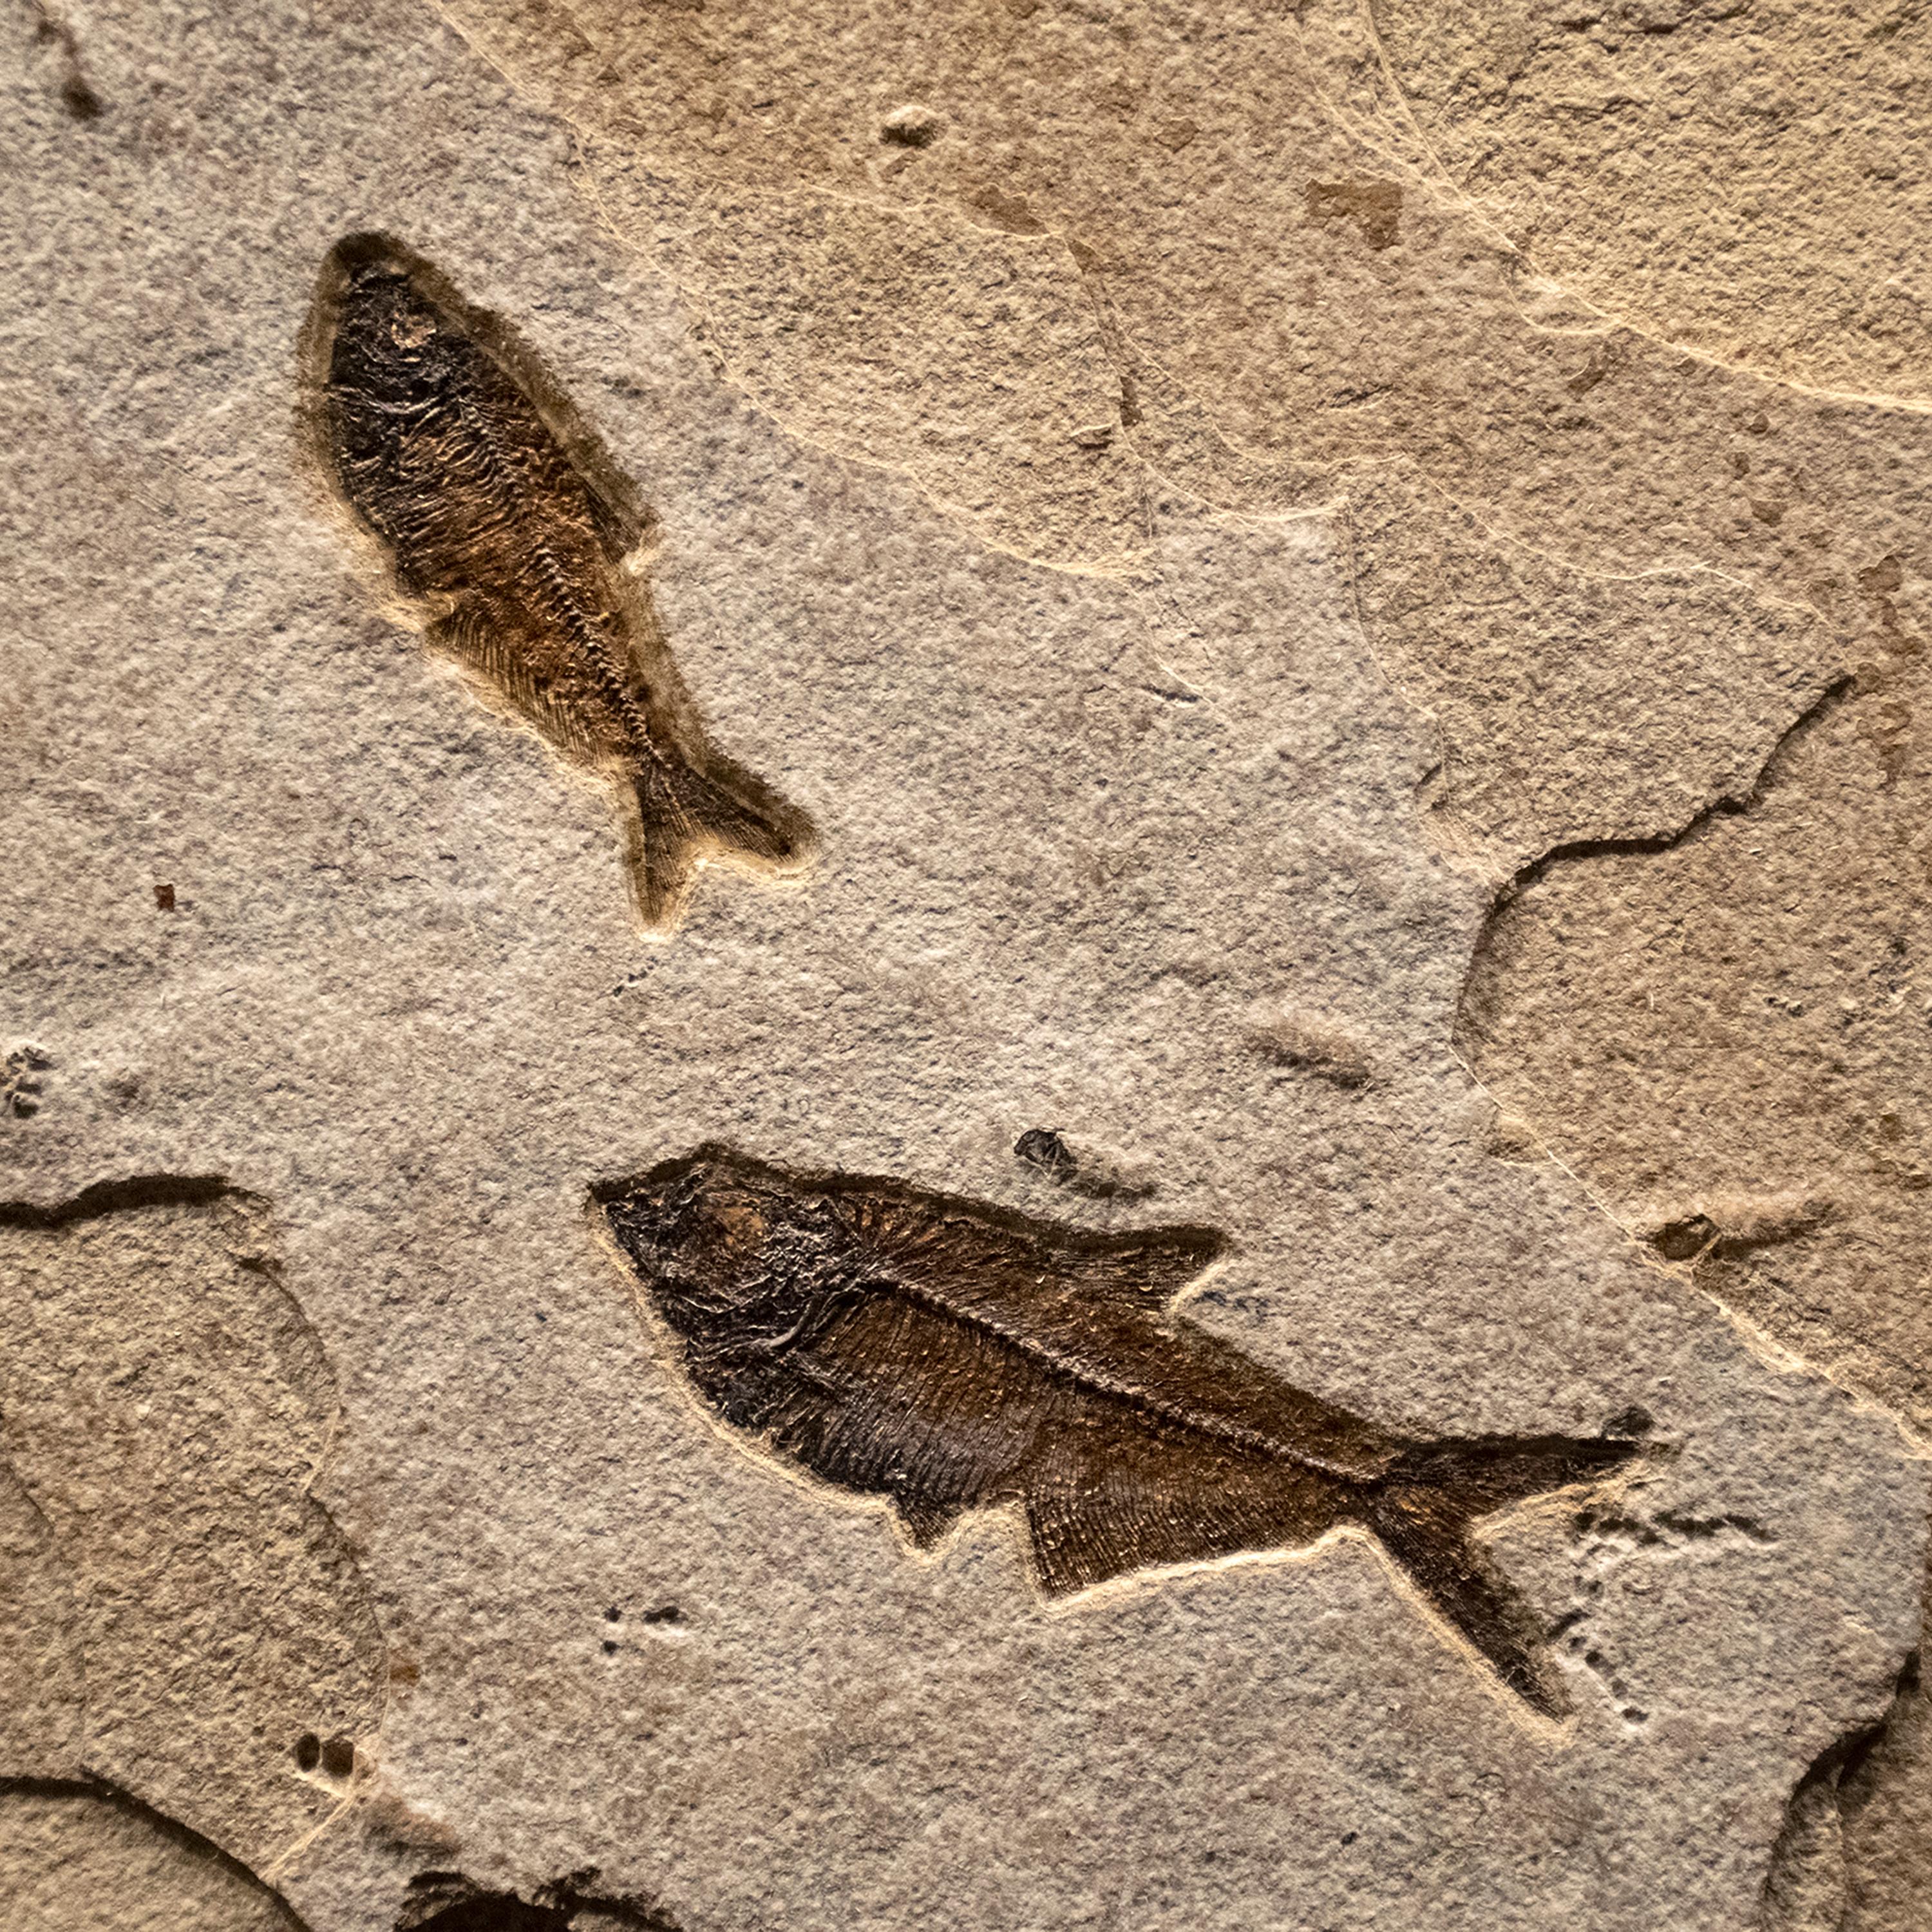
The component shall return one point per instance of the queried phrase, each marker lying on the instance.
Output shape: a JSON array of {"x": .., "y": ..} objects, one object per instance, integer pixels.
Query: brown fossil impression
[
  {"x": 951, "y": 1357},
  {"x": 508, "y": 536}
]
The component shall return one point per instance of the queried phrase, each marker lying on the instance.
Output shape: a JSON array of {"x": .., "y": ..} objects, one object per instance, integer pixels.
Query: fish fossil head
[
  {"x": 392, "y": 343},
  {"x": 721, "y": 1243}
]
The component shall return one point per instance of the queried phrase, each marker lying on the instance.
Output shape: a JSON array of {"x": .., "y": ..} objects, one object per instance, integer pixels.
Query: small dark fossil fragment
[
  {"x": 22, "y": 1088},
  {"x": 448, "y": 1902},
  {"x": 1043, "y": 1147},
  {"x": 1046, "y": 1149}
]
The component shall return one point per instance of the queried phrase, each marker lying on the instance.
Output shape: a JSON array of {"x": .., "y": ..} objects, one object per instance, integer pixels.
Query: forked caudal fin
[
  {"x": 684, "y": 816},
  {"x": 1421, "y": 1512}
]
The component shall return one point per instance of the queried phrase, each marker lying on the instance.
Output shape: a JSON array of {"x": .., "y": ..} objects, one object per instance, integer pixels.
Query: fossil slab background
[
  {"x": 166, "y": 1410},
  {"x": 1737, "y": 178},
  {"x": 1104, "y": 848},
  {"x": 1037, "y": 257},
  {"x": 75, "y": 1861}
]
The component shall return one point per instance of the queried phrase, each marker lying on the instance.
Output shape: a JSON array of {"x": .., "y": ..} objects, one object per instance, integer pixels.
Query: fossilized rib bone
[
  {"x": 952, "y": 1358},
  {"x": 508, "y": 536}
]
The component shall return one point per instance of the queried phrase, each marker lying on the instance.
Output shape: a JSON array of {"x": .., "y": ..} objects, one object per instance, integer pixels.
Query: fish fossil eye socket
[
  {"x": 411, "y": 327},
  {"x": 394, "y": 317},
  {"x": 738, "y": 1227}
]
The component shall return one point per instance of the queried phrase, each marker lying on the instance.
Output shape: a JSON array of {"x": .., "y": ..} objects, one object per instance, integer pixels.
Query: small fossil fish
[
  {"x": 507, "y": 533},
  {"x": 951, "y": 1357}
]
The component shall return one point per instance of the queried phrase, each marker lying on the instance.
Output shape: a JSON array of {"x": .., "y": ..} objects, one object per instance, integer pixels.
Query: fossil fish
[
  {"x": 507, "y": 533},
  {"x": 952, "y": 1358}
]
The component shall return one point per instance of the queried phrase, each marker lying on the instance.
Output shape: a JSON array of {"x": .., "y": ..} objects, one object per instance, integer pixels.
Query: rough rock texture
[
  {"x": 1232, "y": 262},
  {"x": 1181, "y": 562},
  {"x": 1524, "y": 664},
  {"x": 1742, "y": 179},
  {"x": 80, "y": 1860},
  {"x": 1857, "y": 1839},
  {"x": 40, "y": 1687},
  {"x": 1885, "y": 1803},
  {"x": 163, "y": 1410},
  {"x": 1728, "y": 1038}
]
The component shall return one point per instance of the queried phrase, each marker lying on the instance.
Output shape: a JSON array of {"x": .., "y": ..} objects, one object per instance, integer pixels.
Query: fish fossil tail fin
[
  {"x": 684, "y": 816},
  {"x": 1422, "y": 1511}
]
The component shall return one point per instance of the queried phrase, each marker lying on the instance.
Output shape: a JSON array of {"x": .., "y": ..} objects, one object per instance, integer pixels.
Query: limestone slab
[{"x": 1113, "y": 798}]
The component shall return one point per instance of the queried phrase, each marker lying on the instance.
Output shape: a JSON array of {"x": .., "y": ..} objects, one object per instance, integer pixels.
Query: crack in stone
[
  {"x": 86, "y": 1848},
  {"x": 1828, "y": 1871}
]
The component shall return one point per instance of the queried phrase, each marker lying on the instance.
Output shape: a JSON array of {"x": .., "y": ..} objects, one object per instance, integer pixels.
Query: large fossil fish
[
  {"x": 508, "y": 535},
  {"x": 952, "y": 1358}
]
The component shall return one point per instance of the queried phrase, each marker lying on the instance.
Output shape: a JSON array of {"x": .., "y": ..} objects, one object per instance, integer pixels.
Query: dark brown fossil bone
[
  {"x": 508, "y": 532},
  {"x": 951, "y": 1357},
  {"x": 444, "y": 1901}
]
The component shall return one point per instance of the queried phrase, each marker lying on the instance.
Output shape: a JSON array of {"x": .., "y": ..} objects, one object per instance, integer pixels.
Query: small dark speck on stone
[
  {"x": 1634, "y": 1421},
  {"x": 164, "y": 898},
  {"x": 613, "y": 1614},
  {"x": 338, "y": 1757},
  {"x": 610, "y": 1646},
  {"x": 1043, "y": 1147},
  {"x": 81, "y": 101},
  {"x": 667, "y": 1613},
  {"x": 308, "y": 1751},
  {"x": 1683, "y": 1241},
  {"x": 911, "y": 126}
]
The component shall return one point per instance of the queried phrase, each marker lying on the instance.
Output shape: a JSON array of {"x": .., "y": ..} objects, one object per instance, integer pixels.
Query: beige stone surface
[
  {"x": 1885, "y": 1806},
  {"x": 1735, "y": 1027},
  {"x": 1180, "y": 560},
  {"x": 164, "y": 1411},
  {"x": 1178, "y": 175},
  {"x": 1742, "y": 179},
  {"x": 1726, "y": 1038},
  {"x": 41, "y": 1691},
  {"x": 1238, "y": 269},
  {"x": 77, "y": 1861},
  {"x": 1522, "y": 664},
  {"x": 1857, "y": 1833}
]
